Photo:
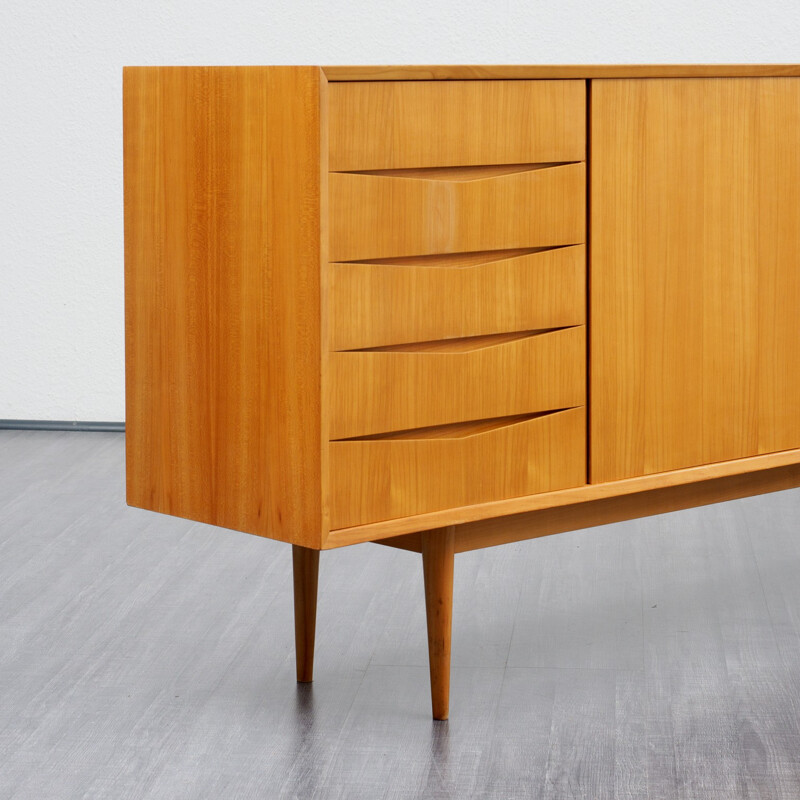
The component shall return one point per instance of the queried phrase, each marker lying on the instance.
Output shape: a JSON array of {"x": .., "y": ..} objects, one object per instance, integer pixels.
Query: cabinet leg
[
  {"x": 438, "y": 549},
  {"x": 305, "y": 566}
]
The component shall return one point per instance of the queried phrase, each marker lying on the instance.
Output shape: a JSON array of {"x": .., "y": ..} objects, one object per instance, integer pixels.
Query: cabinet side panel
[
  {"x": 222, "y": 296},
  {"x": 695, "y": 272}
]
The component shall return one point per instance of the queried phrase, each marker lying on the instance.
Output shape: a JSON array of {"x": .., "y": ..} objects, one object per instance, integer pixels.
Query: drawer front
[
  {"x": 384, "y": 216},
  {"x": 442, "y": 297},
  {"x": 436, "y": 383},
  {"x": 399, "y": 124},
  {"x": 382, "y": 479},
  {"x": 456, "y": 222}
]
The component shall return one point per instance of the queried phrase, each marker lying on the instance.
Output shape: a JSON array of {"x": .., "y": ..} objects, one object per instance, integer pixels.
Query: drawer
[
  {"x": 398, "y": 124},
  {"x": 421, "y": 298},
  {"x": 457, "y": 466},
  {"x": 451, "y": 211},
  {"x": 437, "y": 383}
]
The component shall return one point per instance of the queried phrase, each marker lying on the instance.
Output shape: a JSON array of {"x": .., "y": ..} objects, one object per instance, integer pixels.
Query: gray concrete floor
[{"x": 144, "y": 656}]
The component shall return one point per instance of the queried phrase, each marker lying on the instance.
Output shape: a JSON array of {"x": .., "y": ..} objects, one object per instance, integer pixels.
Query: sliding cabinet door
[{"x": 694, "y": 272}]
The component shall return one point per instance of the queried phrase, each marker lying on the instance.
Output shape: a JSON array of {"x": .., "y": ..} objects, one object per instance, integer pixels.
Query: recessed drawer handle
[
  {"x": 471, "y": 173},
  {"x": 457, "y": 430},
  {"x": 472, "y": 260},
  {"x": 467, "y": 344}
]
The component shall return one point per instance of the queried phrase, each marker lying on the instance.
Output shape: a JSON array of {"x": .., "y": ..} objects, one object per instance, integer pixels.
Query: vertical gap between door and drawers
[{"x": 588, "y": 156}]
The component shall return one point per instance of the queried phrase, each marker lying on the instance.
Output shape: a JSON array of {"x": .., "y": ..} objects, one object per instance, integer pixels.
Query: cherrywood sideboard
[{"x": 443, "y": 308}]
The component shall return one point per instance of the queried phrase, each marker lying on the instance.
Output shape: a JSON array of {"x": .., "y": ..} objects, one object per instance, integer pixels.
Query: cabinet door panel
[{"x": 695, "y": 272}]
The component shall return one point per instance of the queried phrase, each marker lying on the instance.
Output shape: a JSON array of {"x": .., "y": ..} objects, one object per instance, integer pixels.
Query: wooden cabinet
[{"x": 443, "y": 308}]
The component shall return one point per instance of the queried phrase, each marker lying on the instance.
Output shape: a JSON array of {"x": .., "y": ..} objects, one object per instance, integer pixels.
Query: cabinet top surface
[
  {"x": 444, "y": 72},
  {"x": 532, "y": 71}
]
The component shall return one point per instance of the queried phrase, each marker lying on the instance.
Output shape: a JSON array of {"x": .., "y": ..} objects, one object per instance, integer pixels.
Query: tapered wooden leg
[
  {"x": 437, "y": 568},
  {"x": 305, "y": 564}
]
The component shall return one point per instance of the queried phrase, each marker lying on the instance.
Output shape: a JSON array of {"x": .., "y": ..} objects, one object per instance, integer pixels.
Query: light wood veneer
[
  {"x": 223, "y": 210},
  {"x": 424, "y": 470},
  {"x": 396, "y": 124},
  {"x": 397, "y": 301},
  {"x": 456, "y": 381},
  {"x": 358, "y": 302},
  {"x": 695, "y": 300},
  {"x": 379, "y": 216},
  {"x": 584, "y": 72}
]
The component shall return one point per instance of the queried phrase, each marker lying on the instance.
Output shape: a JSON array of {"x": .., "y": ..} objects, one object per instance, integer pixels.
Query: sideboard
[{"x": 445, "y": 308}]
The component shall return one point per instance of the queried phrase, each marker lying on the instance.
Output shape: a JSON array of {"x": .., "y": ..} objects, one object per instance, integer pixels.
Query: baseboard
[{"x": 59, "y": 425}]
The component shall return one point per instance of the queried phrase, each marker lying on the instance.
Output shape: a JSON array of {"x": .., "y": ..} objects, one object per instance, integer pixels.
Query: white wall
[{"x": 61, "y": 310}]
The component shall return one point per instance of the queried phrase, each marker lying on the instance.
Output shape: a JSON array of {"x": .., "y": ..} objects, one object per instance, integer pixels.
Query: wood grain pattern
[
  {"x": 382, "y": 217},
  {"x": 481, "y": 72},
  {"x": 325, "y": 282},
  {"x": 380, "y": 304},
  {"x": 305, "y": 574},
  {"x": 695, "y": 272},
  {"x": 222, "y": 261},
  {"x": 388, "y": 125},
  {"x": 386, "y": 479},
  {"x": 463, "y": 173},
  {"x": 597, "y": 511},
  {"x": 377, "y": 391},
  {"x": 215, "y": 268},
  {"x": 437, "y": 570},
  {"x": 747, "y": 467},
  {"x": 602, "y": 511}
]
